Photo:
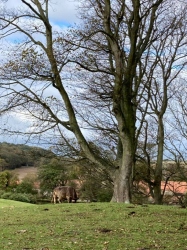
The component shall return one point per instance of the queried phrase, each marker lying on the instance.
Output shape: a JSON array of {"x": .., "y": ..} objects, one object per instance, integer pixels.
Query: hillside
[
  {"x": 17, "y": 155},
  {"x": 25, "y": 171}
]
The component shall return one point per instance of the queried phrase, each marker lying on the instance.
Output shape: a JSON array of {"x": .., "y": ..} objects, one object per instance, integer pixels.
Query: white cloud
[
  {"x": 62, "y": 14},
  {"x": 63, "y": 11},
  {"x": 11, "y": 122},
  {"x": 60, "y": 11}
]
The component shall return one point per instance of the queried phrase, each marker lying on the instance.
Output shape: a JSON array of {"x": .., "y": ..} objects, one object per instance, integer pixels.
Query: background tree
[
  {"x": 3, "y": 164},
  {"x": 52, "y": 175},
  {"x": 177, "y": 136},
  {"x": 167, "y": 68},
  {"x": 7, "y": 180}
]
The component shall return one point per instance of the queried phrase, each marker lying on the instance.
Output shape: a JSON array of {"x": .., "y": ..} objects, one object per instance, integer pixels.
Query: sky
[
  {"x": 62, "y": 14},
  {"x": 60, "y": 11}
]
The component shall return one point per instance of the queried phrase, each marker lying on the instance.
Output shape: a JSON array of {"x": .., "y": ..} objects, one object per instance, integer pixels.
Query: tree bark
[
  {"x": 122, "y": 176},
  {"x": 158, "y": 197},
  {"x": 122, "y": 182}
]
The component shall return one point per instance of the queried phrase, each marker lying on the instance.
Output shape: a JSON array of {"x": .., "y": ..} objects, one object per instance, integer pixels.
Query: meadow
[{"x": 96, "y": 226}]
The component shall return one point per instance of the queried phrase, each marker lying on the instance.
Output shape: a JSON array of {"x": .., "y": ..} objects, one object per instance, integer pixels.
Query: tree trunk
[
  {"x": 157, "y": 193},
  {"x": 122, "y": 192},
  {"x": 158, "y": 197},
  {"x": 122, "y": 176}
]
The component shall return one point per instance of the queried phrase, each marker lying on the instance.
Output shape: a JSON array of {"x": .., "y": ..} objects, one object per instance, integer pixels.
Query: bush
[
  {"x": 26, "y": 188},
  {"x": 104, "y": 195},
  {"x": 29, "y": 198},
  {"x": 1, "y": 192},
  {"x": 94, "y": 191},
  {"x": 8, "y": 180},
  {"x": 139, "y": 198}
]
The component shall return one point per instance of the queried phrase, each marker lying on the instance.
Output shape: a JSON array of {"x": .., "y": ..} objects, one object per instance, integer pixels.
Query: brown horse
[{"x": 62, "y": 193}]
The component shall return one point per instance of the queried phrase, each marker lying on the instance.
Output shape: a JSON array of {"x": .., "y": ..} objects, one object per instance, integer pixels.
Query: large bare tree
[
  {"x": 126, "y": 43},
  {"x": 112, "y": 47}
]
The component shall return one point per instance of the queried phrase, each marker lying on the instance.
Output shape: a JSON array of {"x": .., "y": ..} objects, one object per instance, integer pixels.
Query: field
[
  {"x": 25, "y": 171},
  {"x": 97, "y": 226}
]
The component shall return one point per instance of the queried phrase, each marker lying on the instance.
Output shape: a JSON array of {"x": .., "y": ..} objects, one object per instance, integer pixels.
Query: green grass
[
  {"x": 97, "y": 226},
  {"x": 13, "y": 204}
]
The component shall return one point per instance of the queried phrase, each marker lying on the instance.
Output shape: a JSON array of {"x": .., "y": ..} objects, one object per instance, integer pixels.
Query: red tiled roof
[
  {"x": 172, "y": 186},
  {"x": 175, "y": 186}
]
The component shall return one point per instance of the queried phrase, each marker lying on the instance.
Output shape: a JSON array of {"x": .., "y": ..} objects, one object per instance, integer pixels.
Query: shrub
[
  {"x": 29, "y": 198},
  {"x": 104, "y": 195},
  {"x": 94, "y": 191},
  {"x": 26, "y": 188},
  {"x": 1, "y": 192},
  {"x": 8, "y": 180}
]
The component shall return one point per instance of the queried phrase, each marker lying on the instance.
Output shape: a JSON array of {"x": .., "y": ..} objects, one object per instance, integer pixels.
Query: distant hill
[
  {"x": 17, "y": 155},
  {"x": 23, "y": 172}
]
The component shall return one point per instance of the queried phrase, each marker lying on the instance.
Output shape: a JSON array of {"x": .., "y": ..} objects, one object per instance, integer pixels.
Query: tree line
[
  {"x": 18, "y": 155},
  {"x": 111, "y": 90}
]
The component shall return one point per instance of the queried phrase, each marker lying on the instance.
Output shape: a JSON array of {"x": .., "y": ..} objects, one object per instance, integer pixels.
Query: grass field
[{"x": 97, "y": 226}]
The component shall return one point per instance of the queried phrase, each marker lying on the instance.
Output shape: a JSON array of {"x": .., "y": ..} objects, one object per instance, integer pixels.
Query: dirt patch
[{"x": 25, "y": 171}]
